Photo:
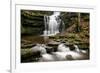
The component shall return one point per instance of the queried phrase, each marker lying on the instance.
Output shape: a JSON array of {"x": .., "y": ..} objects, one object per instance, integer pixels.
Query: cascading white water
[{"x": 52, "y": 24}]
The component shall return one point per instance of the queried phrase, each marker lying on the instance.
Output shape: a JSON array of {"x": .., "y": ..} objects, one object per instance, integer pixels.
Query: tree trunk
[{"x": 78, "y": 24}]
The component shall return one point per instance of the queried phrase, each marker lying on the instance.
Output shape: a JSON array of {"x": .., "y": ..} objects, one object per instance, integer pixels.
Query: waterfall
[{"x": 52, "y": 24}]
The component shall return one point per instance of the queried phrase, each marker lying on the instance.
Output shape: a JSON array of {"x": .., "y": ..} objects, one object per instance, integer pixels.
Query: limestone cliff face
[{"x": 32, "y": 22}]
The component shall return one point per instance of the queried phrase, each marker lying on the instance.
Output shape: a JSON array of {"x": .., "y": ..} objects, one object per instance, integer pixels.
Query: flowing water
[{"x": 52, "y": 24}]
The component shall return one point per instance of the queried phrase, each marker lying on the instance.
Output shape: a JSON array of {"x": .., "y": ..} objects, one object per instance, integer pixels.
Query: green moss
[{"x": 25, "y": 51}]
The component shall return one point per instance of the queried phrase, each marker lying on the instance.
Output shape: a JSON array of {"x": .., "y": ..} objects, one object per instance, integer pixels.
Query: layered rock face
[{"x": 32, "y": 22}]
